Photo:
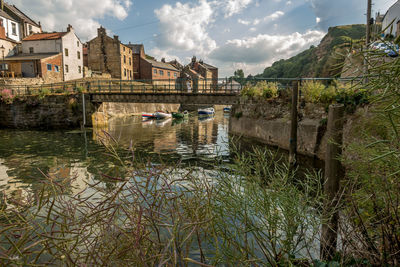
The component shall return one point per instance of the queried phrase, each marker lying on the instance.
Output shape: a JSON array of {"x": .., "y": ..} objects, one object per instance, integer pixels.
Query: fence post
[
  {"x": 120, "y": 85},
  {"x": 293, "y": 127},
  {"x": 83, "y": 109},
  {"x": 332, "y": 182},
  {"x": 131, "y": 86}
]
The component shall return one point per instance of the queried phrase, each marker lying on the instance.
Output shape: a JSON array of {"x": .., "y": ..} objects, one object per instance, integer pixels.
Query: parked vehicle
[
  {"x": 162, "y": 115},
  {"x": 206, "y": 111}
]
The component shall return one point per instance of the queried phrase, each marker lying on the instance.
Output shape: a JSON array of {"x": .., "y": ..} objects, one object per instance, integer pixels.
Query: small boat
[
  {"x": 178, "y": 115},
  {"x": 146, "y": 115},
  {"x": 162, "y": 115},
  {"x": 206, "y": 111},
  {"x": 227, "y": 109}
]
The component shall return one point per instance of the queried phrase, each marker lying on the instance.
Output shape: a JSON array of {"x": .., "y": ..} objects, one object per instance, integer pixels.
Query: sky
[{"x": 229, "y": 34}]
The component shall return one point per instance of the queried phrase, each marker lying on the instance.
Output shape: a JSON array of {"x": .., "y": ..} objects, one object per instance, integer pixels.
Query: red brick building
[{"x": 150, "y": 69}]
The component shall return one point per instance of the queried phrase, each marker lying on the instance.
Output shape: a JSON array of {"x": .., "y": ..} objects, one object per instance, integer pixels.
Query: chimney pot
[
  {"x": 163, "y": 60},
  {"x": 116, "y": 37}
]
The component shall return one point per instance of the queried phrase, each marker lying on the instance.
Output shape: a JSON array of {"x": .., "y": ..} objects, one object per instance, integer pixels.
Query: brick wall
[
  {"x": 52, "y": 76},
  {"x": 126, "y": 62}
]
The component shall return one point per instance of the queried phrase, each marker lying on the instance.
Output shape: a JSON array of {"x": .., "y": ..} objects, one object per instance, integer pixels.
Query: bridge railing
[{"x": 160, "y": 86}]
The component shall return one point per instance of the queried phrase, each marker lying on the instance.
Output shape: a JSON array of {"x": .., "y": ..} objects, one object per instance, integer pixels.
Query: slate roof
[
  {"x": 5, "y": 15},
  {"x": 208, "y": 66},
  {"x": 21, "y": 57},
  {"x": 45, "y": 36},
  {"x": 161, "y": 65},
  {"x": 135, "y": 48},
  {"x": 20, "y": 14}
]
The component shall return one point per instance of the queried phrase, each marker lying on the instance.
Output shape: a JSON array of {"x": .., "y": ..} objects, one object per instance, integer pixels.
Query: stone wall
[
  {"x": 269, "y": 122},
  {"x": 51, "y": 112}
]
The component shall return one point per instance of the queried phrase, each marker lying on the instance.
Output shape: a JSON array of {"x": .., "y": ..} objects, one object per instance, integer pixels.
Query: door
[{"x": 28, "y": 69}]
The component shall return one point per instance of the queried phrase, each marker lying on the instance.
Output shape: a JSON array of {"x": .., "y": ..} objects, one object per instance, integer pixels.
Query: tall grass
[{"x": 253, "y": 212}]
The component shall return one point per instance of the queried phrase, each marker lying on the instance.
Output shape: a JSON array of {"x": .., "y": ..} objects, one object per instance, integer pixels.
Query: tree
[{"x": 239, "y": 74}]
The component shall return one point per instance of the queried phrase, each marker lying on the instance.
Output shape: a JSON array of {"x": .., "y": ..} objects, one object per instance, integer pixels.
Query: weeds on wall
[
  {"x": 7, "y": 96},
  {"x": 261, "y": 90}
]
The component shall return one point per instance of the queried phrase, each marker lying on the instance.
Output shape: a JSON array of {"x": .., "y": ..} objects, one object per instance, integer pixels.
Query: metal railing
[{"x": 165, "y": 86}]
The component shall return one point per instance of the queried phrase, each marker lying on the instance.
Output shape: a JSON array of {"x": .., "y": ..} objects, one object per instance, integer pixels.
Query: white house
[
  {"x": 66, "y": 43},
  {"x": 10, "y": 25},
  {"x": 26, "y": 25},
  {"x": 392, "y": 15}
]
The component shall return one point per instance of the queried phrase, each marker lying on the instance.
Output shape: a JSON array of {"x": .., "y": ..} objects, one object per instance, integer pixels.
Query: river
[{"x": 27, "y": 156}]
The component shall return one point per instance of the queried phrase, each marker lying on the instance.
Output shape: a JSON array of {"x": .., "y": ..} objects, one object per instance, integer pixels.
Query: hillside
[{"x": 321, "y": 61}]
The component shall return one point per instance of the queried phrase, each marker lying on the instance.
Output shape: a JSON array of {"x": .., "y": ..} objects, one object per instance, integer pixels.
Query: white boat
[
  {"x": 206, "y": 111},
  {"x": 227, "y": 109},
  {"x": 162, "y": 115},
  {"x": 146, "y": 115}
]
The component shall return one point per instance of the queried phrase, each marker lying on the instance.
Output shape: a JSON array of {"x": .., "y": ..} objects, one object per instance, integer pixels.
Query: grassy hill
[{"x": 321, "y": 61}]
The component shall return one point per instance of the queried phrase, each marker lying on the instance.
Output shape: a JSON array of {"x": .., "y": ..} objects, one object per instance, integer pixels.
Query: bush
[
  {"x": 261, "y": 89},
  {"x": 7, "y": 96},
  {"x": 44, "y": 92}
]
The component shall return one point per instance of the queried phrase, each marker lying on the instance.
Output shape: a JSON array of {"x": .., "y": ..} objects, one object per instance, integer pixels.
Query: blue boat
[
  {"x": 206, "y": 111},
  {"x": 227, "y": 109}
]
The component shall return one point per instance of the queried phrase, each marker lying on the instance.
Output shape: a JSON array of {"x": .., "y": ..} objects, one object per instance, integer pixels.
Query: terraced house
[{"x": 109, "y": 55}]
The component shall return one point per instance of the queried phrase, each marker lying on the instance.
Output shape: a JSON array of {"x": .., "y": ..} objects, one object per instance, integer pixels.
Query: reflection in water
[{"x": 75, "y": 159}]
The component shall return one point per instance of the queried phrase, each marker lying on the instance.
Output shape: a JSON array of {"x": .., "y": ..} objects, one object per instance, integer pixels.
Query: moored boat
[
  {"x": 162, "y": 115},
  {"x": 206, "y": 111},
  {"x": 178, "y": 115},
  {"x": 146, "y": 115},
  {"x": 227, "y": 109}
]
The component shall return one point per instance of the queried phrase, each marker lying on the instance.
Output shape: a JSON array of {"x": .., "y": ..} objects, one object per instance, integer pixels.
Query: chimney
[
  {"x": 163, "y": 60},
  {"x": 193, "y": 59},
  {"x": 69, "y": 28},
  {"x": 116, "y": 38},
  {"x": 101, "y": 31}
]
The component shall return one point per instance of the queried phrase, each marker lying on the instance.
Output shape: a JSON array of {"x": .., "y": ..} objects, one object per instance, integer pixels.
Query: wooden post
[
  {"x": 332, "y": 182},
  {"x": 293, "y": 127},
  {"x": 83, "y": 110}
]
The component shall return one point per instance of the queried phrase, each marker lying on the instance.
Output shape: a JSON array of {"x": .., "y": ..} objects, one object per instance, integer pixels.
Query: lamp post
[{"x": 2, "y": 49}]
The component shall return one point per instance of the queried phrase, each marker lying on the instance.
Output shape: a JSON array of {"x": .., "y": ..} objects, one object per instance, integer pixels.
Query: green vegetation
[
  {"x": 321, "y": 61},
  {"x": 261, "y": 89}
]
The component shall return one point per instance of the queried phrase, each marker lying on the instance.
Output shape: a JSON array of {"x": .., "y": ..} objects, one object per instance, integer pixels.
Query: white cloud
[
  {"x": 244, "y": 22},
  {"x": 184, "y": 27},
  {"x": 82, "y": 14},
  {"x": 233, "y": 7},
  {"x": 161, "y": 53},
  {"x": 265, "y": 48},
  {"x": 269, "y": 18},
  {"x": 317, "y": 20},
  {"x": 288, "y": 3},
  {"x": 274, "y": 16}
]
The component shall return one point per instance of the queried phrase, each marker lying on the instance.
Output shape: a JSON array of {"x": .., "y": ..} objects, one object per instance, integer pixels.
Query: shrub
[
  {"x": 44, "y": 92},
  {"x": 312, "y": 91},
  {"x": 7, "y": 96},
  {"x": 261, "y": 89}
]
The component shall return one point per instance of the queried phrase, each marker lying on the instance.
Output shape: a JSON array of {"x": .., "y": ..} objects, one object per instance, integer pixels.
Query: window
[
  {"x": 77, "y": 43},
  {"x": 161, "y": 72},
  {"x": 66, "y": 69},
  {"x": 31, "y": 50},
  {"x": 30, "y": 29},
  {"x": 124, "y": 72},
  {"x": 49, "y": 67},
  {"x": 124, "y": 48},
  {"x": 124, "y": 59},
  {"x": 14, "y": 28},
  {"x": 130, "y": 61},
  {"x": 79, "y": 69},
  {"x": 79, "y": 55},
  {"x": 56, "y": 68},
  {"x": 169, "y": 74},
  {"x": 175, "y": 75},
  {"x": 155, "y": 71},
  {"x": 66, "y": 52}
]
